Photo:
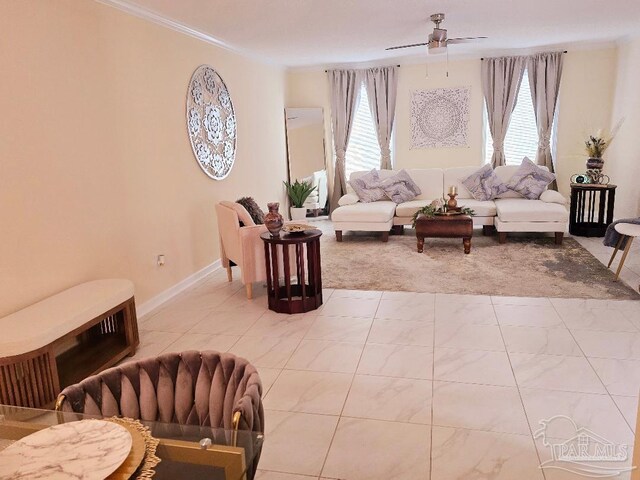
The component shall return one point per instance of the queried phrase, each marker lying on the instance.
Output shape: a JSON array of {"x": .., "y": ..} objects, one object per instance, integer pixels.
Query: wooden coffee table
[{"x": 444, "y": 226}]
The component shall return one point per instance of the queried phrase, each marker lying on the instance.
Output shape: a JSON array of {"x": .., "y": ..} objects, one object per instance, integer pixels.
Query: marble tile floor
[{"x": 400, "y": 385}]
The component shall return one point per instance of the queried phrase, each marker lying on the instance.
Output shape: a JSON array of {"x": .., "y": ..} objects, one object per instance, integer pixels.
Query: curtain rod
[
  {"x": 482, "y": 58},
  {"x": 371, "y": 67}
]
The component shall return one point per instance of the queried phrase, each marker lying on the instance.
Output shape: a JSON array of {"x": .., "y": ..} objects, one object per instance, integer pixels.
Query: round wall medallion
[{"x": 211, "y": 122}]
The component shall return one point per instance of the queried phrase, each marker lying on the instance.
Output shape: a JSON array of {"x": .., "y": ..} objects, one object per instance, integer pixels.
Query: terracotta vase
[
  {"x": 452, "y": 203},
  {"x": 273, "y": 220}
]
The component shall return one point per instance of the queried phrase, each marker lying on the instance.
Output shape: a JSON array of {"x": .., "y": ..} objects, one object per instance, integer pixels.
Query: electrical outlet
[{"x": 160, "y": 260}]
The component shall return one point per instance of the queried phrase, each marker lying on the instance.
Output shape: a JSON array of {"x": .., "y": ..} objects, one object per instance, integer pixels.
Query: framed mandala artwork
[
  {"x": 211, "y": 122},
  {"x": 440, "y": 118}
]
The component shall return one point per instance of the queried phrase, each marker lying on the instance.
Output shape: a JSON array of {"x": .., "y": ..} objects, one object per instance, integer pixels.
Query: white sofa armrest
[
  {"x": 348, "y": 199},
  {"x": 551, "y": 196}
]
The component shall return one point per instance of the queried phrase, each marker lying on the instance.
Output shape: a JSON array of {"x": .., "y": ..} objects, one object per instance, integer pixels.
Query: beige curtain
[
  {"x": 545, "y": 71},
  {"x": 501, "y": 78},
  {"x": 382, "y": 88},
  {"x": 344, "y": 85}
]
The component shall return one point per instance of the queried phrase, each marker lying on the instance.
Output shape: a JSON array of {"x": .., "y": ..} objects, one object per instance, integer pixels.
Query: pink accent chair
[
  {"x": 208, "y": 389},
  {"x": 241, "y": 244}
]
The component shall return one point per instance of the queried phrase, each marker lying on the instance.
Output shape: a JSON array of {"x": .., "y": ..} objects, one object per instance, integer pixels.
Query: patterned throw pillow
[
  {"x": 484, "y": 184},
  {"x": 530, "y": 180},
  {"x": 400, "y": 188},
  {"x": 253, "y": 209},
  {"x": 368, "y": 188}
]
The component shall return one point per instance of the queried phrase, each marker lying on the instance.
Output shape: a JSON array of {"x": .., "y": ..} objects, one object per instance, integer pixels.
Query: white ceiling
[{"x": 299, "y": 33}]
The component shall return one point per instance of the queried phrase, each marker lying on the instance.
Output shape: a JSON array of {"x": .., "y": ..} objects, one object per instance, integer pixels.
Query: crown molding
[{"x": 158, "y": 19}]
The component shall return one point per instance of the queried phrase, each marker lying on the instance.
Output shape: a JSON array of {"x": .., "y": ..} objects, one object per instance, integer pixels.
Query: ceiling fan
[{"x": 438, "y": 40}]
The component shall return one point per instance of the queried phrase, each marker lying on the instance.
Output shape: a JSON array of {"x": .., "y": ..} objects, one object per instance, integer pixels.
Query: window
[
  {"x": 522, "y": 136},
  {"x": 363, "y": 152}
]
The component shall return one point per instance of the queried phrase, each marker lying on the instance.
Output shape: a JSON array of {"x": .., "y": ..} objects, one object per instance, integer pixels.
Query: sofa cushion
[
  {"x": 429, "y": 180},
  {"x": 523, "y": 210},
  {"x": 407, "y": 209},
  {"x": 368, "y": 187},
  {"x": 530, "y": 180},
  {"x": 400, "y": 188},
  {"x": 481, "y": 208},
  {"x": 484, "y": 184},
  {"x": 374, "y": 212}
]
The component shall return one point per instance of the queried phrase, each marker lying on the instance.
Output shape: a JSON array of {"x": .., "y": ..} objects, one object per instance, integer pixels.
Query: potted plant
[
  {"x": 298, "y": 193},
  {"x": 596, "y": 145}
]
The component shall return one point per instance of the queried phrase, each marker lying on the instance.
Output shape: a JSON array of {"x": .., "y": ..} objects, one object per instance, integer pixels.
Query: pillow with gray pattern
[
  {"x": 530, "y": 180},
  {"x": 400, "y": 188},
  {"x": 368, "y": 187},
  {"x": 484, "y": 184}
]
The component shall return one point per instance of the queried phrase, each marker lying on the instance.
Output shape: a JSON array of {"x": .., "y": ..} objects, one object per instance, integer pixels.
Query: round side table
[
  {"x": 591, "y": 209},
  {"x": 305, "y": 292}
]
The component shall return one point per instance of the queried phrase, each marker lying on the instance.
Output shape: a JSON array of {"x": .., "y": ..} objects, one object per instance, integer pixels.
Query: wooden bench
[{"x": 64, "y": 339}]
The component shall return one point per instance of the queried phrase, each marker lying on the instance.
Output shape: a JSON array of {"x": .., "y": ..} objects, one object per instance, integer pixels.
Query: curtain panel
[
  {"x": 501, "y": 78},
  {"x": 343, "y": 87},
  {"x": 545, "y": 72},
  {"x": 382, "y": 89}
]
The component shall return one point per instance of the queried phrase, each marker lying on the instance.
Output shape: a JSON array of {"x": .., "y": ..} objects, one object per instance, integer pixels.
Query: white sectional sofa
[{"x": 510, "y": 213}]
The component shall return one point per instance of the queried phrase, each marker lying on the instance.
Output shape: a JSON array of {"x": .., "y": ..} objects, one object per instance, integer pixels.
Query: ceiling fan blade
[
  {"x": 465, "y": 39},
  {"x": 408, "y": 46}
]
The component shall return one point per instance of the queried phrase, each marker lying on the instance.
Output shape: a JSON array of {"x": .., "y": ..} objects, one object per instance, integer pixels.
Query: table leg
[
  {"x": 420, "y": 244},
  {"x": 466, "y": 241}
]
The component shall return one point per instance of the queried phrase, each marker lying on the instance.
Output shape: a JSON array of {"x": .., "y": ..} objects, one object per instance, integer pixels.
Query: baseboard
[{"x": 155, "y": 302}]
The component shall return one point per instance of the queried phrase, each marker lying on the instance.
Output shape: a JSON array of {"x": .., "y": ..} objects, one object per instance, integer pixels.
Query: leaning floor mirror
[{"x": 306, "y": 155}]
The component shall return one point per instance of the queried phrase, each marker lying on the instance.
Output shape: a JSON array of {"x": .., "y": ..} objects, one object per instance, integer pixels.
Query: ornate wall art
[
  {"x": 440, "y": 118},
  {"x": 211, "y": 122}
]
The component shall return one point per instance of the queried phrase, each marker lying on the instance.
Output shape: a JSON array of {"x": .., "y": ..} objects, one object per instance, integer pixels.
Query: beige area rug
[{"x": 526, "y": 266}]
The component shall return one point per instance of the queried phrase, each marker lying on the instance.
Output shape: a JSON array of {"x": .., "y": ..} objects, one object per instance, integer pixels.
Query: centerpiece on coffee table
[{"x": 439, "y": 220}]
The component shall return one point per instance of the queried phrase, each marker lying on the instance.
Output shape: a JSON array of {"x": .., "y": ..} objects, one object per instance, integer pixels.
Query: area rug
[{"x": 526, "y": 266}]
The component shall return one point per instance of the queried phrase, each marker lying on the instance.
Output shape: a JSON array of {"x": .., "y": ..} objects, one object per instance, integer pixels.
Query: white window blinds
[{"x": 363, "y": 152}]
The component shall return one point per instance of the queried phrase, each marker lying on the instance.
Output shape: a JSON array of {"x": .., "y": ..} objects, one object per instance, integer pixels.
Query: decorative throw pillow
[
  {"x": 400, "y": 188},
  {"x": 530, "y": 180},
  {"x": 253, "y": 209},
  {"x": 348, "y": 199},
  {"x": 484, "y": 184},
  {"x": 551, "y": 196},
  {"x": 368, "y": 188}
]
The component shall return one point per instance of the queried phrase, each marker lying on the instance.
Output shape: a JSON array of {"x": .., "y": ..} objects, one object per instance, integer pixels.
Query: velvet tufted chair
[{"x": 208, "y": 389}]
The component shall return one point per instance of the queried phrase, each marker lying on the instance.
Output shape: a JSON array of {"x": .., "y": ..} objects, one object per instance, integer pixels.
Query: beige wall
[
  {"x": 414, "y": 77},
  {"x": 586, "y": 96},
  {"x": 622, "y": 160},
  {"x": 585, "y": 101},
  {"x": 97, "y": 174}
]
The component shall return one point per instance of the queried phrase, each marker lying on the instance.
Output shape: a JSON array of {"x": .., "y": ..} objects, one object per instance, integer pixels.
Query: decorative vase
[
  {"x": 594, "y": 163},
  {"x": 273, "y": 220},
  {"x": 298, "y": 213}
]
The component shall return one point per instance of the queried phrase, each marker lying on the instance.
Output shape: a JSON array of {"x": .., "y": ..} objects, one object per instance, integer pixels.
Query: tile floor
[{"x": 398, "y": 385}]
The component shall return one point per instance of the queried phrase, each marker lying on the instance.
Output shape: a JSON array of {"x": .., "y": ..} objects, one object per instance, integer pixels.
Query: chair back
[
  {"x": 229, "y": 230},
  {"x": 188, "y": 388}
]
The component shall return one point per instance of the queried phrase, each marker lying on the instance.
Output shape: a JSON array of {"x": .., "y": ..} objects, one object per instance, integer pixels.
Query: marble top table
[{"x": 229, "y": 457}]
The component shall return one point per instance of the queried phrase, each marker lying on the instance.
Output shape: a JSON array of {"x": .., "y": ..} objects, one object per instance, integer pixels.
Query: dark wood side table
[
  {"x": 305, "y": 294},
  {"x": 591, "y": 209},
  {"x": 444, "y": 226}
]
